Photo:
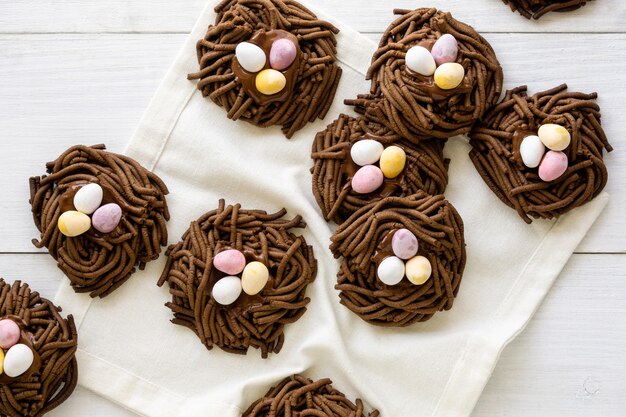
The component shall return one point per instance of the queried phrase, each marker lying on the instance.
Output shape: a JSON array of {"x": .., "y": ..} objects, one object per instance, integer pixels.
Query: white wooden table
[{"x": 83, "y": 72}]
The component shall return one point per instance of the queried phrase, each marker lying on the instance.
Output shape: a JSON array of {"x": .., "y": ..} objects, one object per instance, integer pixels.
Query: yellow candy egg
[
  {"x": 270, "y": 81},
  {"x": 555, "y": 137},
  {"x": 418, "y": 270},
  {"x": 449, "y": 75},
  {"x": 254, "y": 277},
  {"x": 1, "y": 361},
  {"x": 392, "y": 161},
  {"x": 73, "y": 223}
]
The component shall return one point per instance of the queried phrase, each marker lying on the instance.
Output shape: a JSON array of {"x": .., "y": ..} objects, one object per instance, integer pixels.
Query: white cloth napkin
[{"x": 130, "y": 353}]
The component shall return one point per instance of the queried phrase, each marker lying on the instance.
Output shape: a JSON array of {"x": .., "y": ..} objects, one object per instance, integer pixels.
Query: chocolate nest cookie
[
  {"x": 269, "y": 62},
  {"x": 300, "y": 396},
  {"x": 403, "y": 259},
  {"x": 432, "y": 76},
  {"x": 534, "y": 9},
  {"x": 238, "y": 277},
  {"x": 37, "y": 348},
  {"x": 542, "y": 154},
  {"x": 100, "y": 215},
  {"x": 422, "y": 166}
]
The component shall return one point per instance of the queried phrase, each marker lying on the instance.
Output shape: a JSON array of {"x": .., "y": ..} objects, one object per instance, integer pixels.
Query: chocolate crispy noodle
[
  {"x": 94, "y": 262},
  {"x": 257, "y": 320},
  {"x": 318, "y": 74},
  {"x": 300, "y": 396},
  {"x": 363, "y": 242},
  {"x": 53, "y": 376},
  {"x": 496, "y": 155},
  {"x": 536, "y": 8},
  {"x": 411, "y": 104},
  {"x": 333, "y": 167}
]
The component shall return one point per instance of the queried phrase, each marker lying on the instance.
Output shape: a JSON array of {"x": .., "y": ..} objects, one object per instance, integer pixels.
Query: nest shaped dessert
[
  {"x": 301, "y": 396},
  {"x": 120, "y": 225},
  {"x": 424, "y": 167},
  {"x": 40, "y": 369},
  {"x": 238, "y": 277},
  {"x": 429, "y": 274},
  {"x": 264, "y": 82},
  {"x": 509, "y": 151},
  {"x": 534, "y": 9},
  {"x": 420, "y": 102}
]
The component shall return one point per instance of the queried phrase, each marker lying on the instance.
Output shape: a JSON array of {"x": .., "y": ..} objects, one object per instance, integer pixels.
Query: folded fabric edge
[
  {"x": 141, "y": 396},
  {"x": 482, "y": 351}
]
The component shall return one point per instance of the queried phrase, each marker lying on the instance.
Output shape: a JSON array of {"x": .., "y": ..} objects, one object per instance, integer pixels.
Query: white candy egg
[
  {"x": 391, "y": 270},
  {"x": 17, "y": 360},
  {"x": 532, "y": 149},
  {"x": 250, "y": 56},
  {"x": 88, "y": 198},
  {"x": 226, "y": 290},
  {"x": 419, "y": 59},
  {"x": 366, "y": 152}
]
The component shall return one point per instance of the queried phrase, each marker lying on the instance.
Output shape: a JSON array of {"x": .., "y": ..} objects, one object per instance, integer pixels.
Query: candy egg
[
  {"x": 73, "y": 223},
  {"x": 555, "y": 137},
  {"x": 391, "y": 270},
  {"x": 418, "y": 59},
  {"x": 254, "y": 277},
  {"x": 282, "y": 54},
  {"x": 1, "y": 361},
  {"x": 404, "y": 244},
  {"x": 106, "y": 218},
  {"x": 250, "y": 56},
  {"x": 418, "y": 270},
  {"x": 552, "y": 166},
  {"x": 230, "y": 261},
  {"x": 367, "y": 179},
  {"x": 226, "y": 290},
  {"x": 366, "y": 152},
  {"x": 9, "y": 333},
  {"x": 532, "y": 150},
  {"x": 392, "y": 161},
  {"x": 270, "y": 81},
  {"x": 88, "y": 198},
  {"x": 445, "y": 49},
  {"x": 17, "y": 360},
  {"x": 449, "y": 75}
]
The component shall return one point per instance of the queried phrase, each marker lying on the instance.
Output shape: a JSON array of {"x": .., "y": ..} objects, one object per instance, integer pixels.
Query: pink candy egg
[
  {"x": 106, "y": 218},
  {"x": 9, "y": 333},
  {"x": 282, "y": 54},
  {"x": 230, "y": 261},
  {"x": 367, "y": 179},
  {"x": 445, "y": 49},
  {"x": 404, "y": 244},
  {"x": 553, "y": 165}
]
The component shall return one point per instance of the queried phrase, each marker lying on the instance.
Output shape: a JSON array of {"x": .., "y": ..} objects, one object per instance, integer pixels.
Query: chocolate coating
[
  {"x": 311, "y": 84},
  {"x": 496, "y": 142},
  {"x": 96, "y": 262},
  {"x": 300, "y": 396},
  {"x": 247, "y": 79},
  {"x": 257, "y": 320},
  {"x": 52, "y": 377},
  {"x": 364, "y": 240},
  {"x": 333, "y": 167},
  {"x": 534, "y": 9},
  {"x": 411, "y": 104}
]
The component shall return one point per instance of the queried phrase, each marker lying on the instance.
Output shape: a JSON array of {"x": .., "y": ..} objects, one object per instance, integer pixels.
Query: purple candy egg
[
  {"x": 445, "y": 49},
  {"x": 404, "y": 244},
  {"x": 282, "y": 54},
  {"x": 106, "y": 218}
]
